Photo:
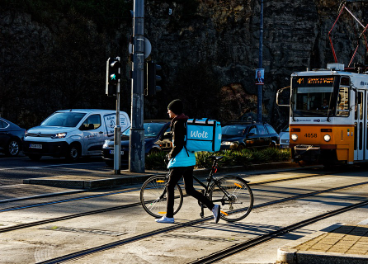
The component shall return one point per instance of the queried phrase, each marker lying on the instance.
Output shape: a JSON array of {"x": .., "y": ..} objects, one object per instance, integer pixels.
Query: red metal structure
[{"x": 342, "y": 8}]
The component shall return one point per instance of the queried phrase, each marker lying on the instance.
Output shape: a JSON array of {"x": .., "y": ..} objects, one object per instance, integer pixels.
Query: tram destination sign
[{"x": 315, "y": 81}]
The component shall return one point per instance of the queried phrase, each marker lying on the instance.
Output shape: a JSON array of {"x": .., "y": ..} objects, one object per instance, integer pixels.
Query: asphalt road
[
  {"x": 13, "y": 170},
  {"x": 126, "y": 220}
]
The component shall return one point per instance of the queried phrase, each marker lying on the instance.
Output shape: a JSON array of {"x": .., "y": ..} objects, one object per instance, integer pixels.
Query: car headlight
[
  {"x": 226, "y": 143},
  {"x": 327, "y": 138},
  {"x": 294, "y": 137},
  {"x": 106, "y": 143},
  {"x": 59, "y": 135}
]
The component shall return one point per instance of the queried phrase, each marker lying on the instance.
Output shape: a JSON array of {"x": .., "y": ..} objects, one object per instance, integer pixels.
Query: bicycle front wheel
[
  {"x": 234, "y": 196},
  {"x": 154, "y": 197}
]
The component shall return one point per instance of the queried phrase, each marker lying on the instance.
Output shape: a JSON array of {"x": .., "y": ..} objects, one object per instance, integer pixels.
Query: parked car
[
  {"x": 239, "y": 135},
  {"x": 72, "y": 133},
  {"x": 157, "y": 137},
  {"x": 11, "y": 136},
  {"x": 284, "y": 137}
]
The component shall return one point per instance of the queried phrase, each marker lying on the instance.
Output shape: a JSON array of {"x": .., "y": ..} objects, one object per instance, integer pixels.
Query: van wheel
[
  {"x": 35, "y": 157},
  {"x": 73, "y": 153}
]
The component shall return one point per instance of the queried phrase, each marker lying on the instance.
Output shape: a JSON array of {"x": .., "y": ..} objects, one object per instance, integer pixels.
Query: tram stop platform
[{"x": 338, "y": 244}]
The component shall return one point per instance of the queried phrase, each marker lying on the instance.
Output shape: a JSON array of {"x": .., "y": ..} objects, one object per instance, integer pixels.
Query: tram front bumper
[{"x": 306, "y": 153}]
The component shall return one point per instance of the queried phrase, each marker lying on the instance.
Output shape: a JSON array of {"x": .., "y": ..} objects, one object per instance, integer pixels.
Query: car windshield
[
  {"x": 150, "y": 129},
  {"x": 233, "y": 130},
  {"x": 67, "y": 119}
]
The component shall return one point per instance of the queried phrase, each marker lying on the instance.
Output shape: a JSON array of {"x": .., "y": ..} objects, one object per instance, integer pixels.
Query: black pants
[{"x": 174, "y": 177}]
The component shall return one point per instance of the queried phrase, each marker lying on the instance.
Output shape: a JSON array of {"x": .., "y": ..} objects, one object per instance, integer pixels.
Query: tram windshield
[{"x": 313, "y": 96}]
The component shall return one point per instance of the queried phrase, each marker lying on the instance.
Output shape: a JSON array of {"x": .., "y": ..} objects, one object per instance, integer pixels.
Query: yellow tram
[{"x": 328, "y": 115}]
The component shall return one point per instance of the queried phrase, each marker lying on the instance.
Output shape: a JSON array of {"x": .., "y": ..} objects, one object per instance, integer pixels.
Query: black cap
[{"x": 176, "y": 106}]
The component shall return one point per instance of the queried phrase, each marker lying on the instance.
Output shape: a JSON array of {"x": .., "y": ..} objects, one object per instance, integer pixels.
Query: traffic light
[
  {"x": 152, "y": 78},
  {"x": 112, "y": 75},
  {"x": 110, "y": 90},
  {"x": 114, "y": 71}
]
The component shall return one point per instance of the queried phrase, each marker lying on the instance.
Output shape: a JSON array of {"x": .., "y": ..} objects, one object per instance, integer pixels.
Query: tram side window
[
  {"x": 361, "y": 107},
  {"x": 343, "y": 102}
]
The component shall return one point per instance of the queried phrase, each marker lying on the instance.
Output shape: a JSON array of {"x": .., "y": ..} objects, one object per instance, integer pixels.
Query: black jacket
[{"x": 179, "y": 131}]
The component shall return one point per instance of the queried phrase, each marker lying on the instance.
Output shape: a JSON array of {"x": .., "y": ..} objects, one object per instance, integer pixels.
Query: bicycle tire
[
  {"x": 239, "y": 201},
  {"x": 152, "y": 189}
]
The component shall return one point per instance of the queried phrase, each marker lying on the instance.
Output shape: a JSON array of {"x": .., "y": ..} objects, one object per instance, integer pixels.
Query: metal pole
[
  {"x": 260, "y": 87},
  {"x": 117, "y": 130},
  {"x": 136, "y": 144}
]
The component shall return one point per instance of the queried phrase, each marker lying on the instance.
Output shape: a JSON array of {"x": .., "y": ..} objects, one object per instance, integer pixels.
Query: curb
[
  {"x": 109, "y": 181},
  {"x": 290, "y": 253}
]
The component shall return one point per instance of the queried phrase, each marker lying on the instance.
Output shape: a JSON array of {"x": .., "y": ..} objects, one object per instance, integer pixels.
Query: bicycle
[{"x": 232, "y": 193}]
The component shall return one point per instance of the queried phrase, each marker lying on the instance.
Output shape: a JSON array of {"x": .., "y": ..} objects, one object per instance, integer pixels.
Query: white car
[
  {"x": 284, "y": 137},
  {"x": 72, "y": 133}
]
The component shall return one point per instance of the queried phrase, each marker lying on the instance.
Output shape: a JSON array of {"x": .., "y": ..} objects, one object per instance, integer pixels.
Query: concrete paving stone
[{"x": 337, "y": 250}]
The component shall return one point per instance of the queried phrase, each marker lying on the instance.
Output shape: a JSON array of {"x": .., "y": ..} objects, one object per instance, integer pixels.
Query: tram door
[
  {"x": 366, "y": 127},
  {"x": 360, "y": 126}
]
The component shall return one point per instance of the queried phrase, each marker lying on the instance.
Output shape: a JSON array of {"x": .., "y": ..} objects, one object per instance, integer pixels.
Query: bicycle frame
[{"x": 210, "y": 182}]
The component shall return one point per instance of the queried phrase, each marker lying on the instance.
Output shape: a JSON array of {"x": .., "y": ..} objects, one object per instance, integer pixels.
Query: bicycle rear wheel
[
  {"x": 154, "y": 198},
  {"x": 234, "y": 196}
]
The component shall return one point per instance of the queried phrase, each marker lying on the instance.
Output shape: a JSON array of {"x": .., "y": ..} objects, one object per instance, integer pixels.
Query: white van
[{"x": 72, "y": 133}]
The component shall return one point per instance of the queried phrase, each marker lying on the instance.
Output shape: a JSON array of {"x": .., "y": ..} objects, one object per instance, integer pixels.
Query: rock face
[{"x": 62, "y": 64}]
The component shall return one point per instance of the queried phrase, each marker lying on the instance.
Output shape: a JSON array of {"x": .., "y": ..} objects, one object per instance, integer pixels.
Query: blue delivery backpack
[{"x": 203, "y": 135}]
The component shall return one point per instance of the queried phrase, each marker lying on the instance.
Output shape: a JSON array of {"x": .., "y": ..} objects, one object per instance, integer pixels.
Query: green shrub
[
  {"x": 155, "y": 161},
  {"x": 245, "y": 157}
]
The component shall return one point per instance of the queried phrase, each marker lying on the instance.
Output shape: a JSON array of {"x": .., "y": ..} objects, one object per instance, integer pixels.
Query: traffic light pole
[
  {"x": 117, "y": 131},
  {"x": 136, "y": 144}
]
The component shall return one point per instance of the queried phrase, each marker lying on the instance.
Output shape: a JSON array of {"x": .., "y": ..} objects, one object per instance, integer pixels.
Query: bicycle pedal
[{"x": 222, "y": 212}]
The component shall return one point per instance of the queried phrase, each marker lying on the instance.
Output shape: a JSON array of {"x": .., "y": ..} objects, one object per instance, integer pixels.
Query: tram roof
[{"x": 327, "y": 72}]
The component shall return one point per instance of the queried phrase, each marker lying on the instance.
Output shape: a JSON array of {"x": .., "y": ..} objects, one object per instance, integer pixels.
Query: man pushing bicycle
[{"x": 181, "y": 164}]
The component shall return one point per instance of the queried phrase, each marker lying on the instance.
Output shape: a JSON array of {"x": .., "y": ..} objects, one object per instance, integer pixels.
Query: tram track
[
  {"x": 131, "y": 189},
  {"x": 219, "y": 255},
  {"x": 121, "y": 207},
  {"x": 171, "y": 228},
  {"x": 216, "y": 256}
]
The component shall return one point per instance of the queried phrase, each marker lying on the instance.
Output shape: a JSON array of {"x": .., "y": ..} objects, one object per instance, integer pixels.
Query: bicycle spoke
[
  {"x": 234, "y": 196},
  {"x": 154, "y": 198}
]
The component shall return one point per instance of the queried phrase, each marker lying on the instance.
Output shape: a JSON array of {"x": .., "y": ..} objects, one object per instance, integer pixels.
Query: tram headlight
[
  {"x": 327, "y": 138},
  {"x": 294, "y": 137}
]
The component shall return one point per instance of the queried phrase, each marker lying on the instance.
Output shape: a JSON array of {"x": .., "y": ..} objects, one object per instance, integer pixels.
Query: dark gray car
[
  {"x": 239, "y": 135},
  {"x": 11, "y": 136}
]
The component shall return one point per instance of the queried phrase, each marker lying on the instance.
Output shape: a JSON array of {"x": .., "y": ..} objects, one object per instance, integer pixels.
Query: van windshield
[
  {"x": 150, "y": 130},
  {"x": 69, "y": 119}
]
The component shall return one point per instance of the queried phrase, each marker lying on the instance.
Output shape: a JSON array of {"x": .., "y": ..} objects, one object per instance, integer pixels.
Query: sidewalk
[{"x": 339, "y": 244}]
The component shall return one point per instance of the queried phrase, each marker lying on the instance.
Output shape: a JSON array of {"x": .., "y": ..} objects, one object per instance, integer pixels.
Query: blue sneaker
[
  {"x": 216, "y": 213},
  {"x": 165, "y": 219}
]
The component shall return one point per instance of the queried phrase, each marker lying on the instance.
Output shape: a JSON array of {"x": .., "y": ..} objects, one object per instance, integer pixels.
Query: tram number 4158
[{"x": 310, "y": 135}]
